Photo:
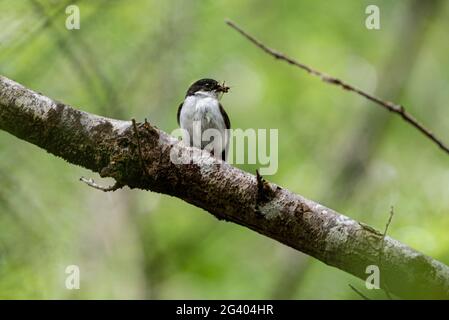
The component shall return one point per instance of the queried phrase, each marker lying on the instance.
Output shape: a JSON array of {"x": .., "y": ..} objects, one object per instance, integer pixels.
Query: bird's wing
[
  {"x": 224, "y": 154},
  {"x": 179, "y": 112},
  {"x": 225, "y": 117}
]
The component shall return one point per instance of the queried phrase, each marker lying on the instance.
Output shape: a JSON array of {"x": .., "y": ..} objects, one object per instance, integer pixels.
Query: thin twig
[
  {"x": 139, "y": 147},
  {"x": 91, "y": 183},
  {"x": 390, "y": 106},
  {"x": 384, "y": 234},
  {"x": 359, "y": 293},
  {"x": 381, "y": 249}
]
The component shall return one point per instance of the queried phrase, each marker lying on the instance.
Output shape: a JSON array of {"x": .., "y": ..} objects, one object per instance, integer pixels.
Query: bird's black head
[{"x": 206, "y": 85}]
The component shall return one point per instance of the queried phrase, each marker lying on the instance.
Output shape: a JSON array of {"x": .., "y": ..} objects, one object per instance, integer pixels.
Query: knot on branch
[
  {"x": 150, "y": 129},
  {"x": 264, "y": 192},
  {"x": 134, "y": 155}
]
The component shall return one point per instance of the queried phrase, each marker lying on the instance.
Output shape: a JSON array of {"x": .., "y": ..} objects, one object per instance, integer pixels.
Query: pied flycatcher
[{"x": 200, "y": 111}]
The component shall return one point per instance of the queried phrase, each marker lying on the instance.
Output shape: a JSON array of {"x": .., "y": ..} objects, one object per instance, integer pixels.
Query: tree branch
[
  {"x": 109, "y": 147},
  {"x": 390, "y": 106}
]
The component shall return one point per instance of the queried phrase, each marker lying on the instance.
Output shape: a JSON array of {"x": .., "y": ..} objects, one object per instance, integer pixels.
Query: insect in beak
[{"x": 224, "y": 88}]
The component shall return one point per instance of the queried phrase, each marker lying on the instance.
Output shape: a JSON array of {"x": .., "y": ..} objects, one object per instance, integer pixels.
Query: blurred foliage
[{"x": 136, "y": 59}]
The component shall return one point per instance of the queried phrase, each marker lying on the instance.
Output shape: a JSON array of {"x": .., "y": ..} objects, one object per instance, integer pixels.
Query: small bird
[{"x": 202, "y": 110}]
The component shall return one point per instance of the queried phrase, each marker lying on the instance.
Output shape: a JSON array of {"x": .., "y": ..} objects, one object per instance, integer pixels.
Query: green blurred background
[{"x": 135, "y": 59}]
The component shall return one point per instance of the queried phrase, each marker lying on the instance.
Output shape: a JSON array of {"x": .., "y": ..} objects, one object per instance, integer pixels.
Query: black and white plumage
[{"x": 202, "y": 110}]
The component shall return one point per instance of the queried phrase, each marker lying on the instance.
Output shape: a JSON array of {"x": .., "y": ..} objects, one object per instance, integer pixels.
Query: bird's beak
[{"x": 222, "y": 88}]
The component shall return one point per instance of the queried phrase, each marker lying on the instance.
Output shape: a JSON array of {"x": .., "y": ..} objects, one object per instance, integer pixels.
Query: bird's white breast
[{"x": 204, "y": 109}]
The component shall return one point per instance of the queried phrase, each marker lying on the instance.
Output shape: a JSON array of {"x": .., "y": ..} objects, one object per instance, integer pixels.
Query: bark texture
[{"x": 113, "y": 149}]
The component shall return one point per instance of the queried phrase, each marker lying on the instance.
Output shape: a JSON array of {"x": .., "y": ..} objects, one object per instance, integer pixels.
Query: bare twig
[
  {"x": 390, "y": 106},
  {"x": 359, "y": 293},
  {"x": 91, "y": 183},
  {"x": 381, "y": 249},
  {"x": 380, "y": 254}
]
